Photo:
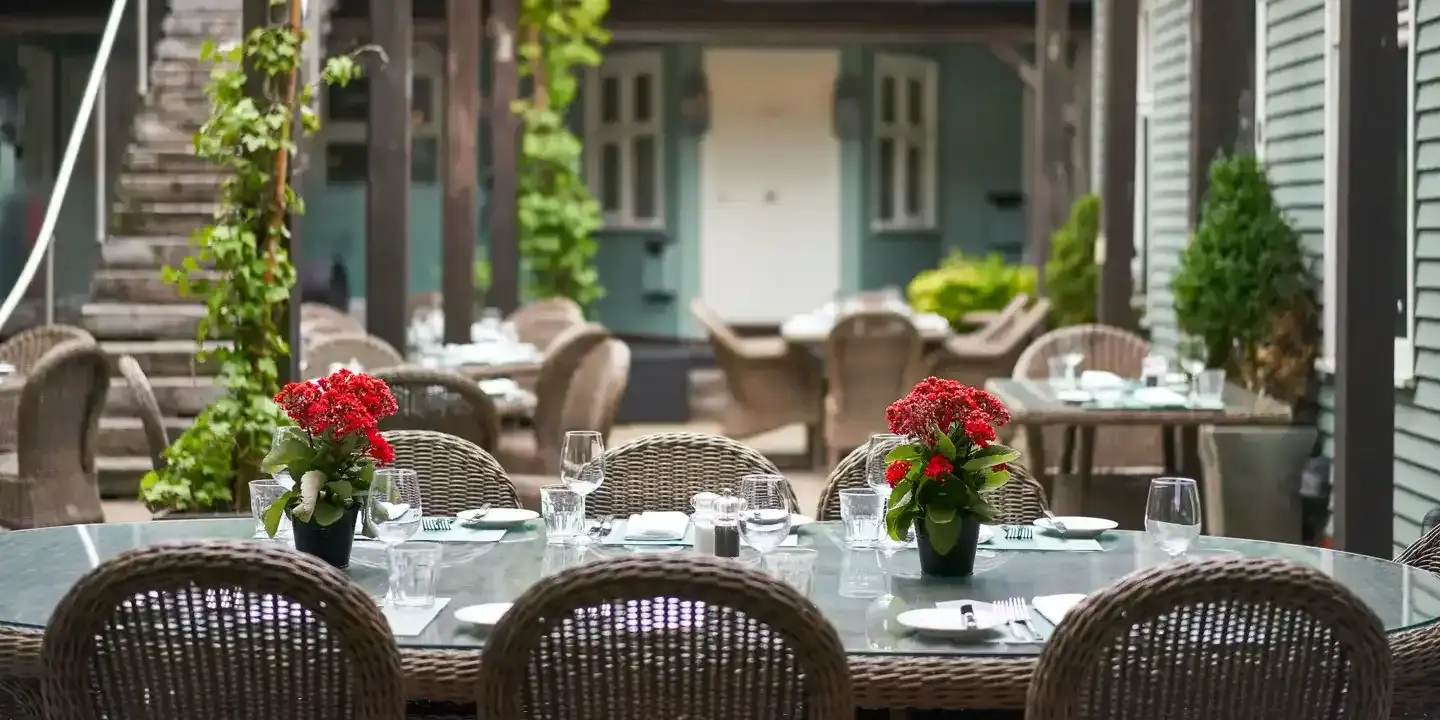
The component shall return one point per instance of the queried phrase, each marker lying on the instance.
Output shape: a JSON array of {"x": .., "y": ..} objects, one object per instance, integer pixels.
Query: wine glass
[
  {"x": 394, "y": 509},
  {"x": 1172, "y": 514},
  {"x": 582, "y": 464},
  {"x": 1193, "y": 356},
  {"x": 880, "y": 445},
  {"x": 765, "y": 518},
  {"x": 1073, "y": 355}
]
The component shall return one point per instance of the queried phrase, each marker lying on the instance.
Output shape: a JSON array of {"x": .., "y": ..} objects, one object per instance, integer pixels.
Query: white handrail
[
  {"x": 142, "y": 21},
  {"x": 43, "y": 249}
]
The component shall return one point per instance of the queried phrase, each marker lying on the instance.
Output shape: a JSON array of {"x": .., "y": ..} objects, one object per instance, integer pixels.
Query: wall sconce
[
  {"x": 846, "y": 109},
  {"x": 695, "y": 105}
]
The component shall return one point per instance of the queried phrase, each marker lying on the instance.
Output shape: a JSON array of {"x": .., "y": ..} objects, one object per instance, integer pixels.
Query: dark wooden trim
[
  {"x": 1372, "y": 101},
  {"x": 1050, "y": 158},
  {"x": 462, "y": 165},
  {"x": 1222, "y": 80},
  {"x": 504, "y": 158},
  {"x": 1117, "y": 191},
  {"x": 387, "y": 187}
]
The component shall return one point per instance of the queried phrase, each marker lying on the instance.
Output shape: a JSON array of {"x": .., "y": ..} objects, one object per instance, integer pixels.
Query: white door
[{"x": 770, "y": 185}]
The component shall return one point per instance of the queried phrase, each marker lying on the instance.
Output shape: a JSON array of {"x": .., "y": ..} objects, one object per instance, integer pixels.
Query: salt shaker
[
  {"x": 704, "y": 519},
  {"x": 1153, "y": 369},
  {"x": 727, "y": 525}
]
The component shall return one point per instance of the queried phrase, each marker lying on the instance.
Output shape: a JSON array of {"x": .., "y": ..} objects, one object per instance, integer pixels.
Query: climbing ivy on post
[
  {"x": 210, "y": 465},
  {"x": 558, "y": 216}
]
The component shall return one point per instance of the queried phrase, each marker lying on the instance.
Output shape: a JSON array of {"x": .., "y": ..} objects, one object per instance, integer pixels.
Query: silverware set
[
  {"x": 1017, "y": 614},
  {"x": 602, "y": 527},
  {"x": 1019, "y": 532},
  {"x": 436, "y": 524}
]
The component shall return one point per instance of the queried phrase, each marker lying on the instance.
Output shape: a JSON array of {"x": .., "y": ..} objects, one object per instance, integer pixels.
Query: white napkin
[
  {"x": 411, "y": 621},
  {"x": 500, "y": 387},
  {"x": 1159, "y": 397},
  {"x": 353, "y": 366},
  {"x": 1100, "y": 380},
  {"x": 1054, "y": 607},
  {"x": 657, "y": 526}
]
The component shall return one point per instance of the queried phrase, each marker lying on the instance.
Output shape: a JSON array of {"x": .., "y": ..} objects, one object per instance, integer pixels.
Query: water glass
[
  {"x": 862, "y": 513},
  {"x": 564, "y": 512},
  {"x": 1058, "y": 372},
  {"x": 795, "y": 567},
  {"x": 263, "y": 494},
  {"x": 1172, "y": 514},
  {"x": 878, "y": 447},
  {"x": 862, "y": 575},
  {"x": 414, "y": 573},
  {"x": 394, "y": 505},
  {"x": 582, "y": 465},
  {"x": 558, "y": 558},
  {"x": 1210, "y": 386},
  {"x": 765, "y": 518}
]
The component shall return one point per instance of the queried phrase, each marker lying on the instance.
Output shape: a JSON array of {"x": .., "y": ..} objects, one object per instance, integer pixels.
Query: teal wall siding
[{"x": 1168, "y": 189}]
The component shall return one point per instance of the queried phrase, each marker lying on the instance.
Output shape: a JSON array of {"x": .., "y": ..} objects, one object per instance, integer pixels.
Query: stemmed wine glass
[
  {"x": 395, "y": 511},
  {"x": 1193, "y": 358},
  {"x": 765, "y": 518},
  {"x": 1172, "y": 514},
  {"x": 1073, "y": 355},
  {"x": 582, "y": 465},
  {"x": 880, "y": 445}
]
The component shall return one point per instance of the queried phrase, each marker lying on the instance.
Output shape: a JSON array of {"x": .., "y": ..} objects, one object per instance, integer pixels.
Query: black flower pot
[
  {"x": 959, "y": 558},
  {"x": 330, "y": 543}
]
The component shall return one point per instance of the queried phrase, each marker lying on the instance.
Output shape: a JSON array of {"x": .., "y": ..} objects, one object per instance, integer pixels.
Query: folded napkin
[
  {"x": 657, "y": 526},
  {"x": 1100, "y": 380},
  {"x": 412, "y": 621},
  {"x": 1159, "y": 397},
  {"x": 1054, "y": 607}
]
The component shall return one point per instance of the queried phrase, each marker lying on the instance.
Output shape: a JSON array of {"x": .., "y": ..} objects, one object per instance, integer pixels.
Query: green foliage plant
[
  {"x": 209, "y": 467},
  {"x": 558, "y": 217},
  {"x": 964, "y": 284},
  {"x": 1072, "y": 279}
]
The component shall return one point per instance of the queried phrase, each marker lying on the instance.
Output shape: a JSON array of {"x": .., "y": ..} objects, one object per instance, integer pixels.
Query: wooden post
[
  {"x": 504, "y": 157},
  {"x": 1372, "y": 108},
  {"x": 1222, "y": 83},
  {"x": 387, "y": 186},
  {"x": 462, "y": 163},
  {"x": 1051, "y": 158},
  {"x": 1117, "y": 191}
]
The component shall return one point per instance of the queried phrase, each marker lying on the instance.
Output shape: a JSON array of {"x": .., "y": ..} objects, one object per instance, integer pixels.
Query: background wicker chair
[
  {"x": 993, "y": 350},
  {"x": 348, "y": 349},
  {"x": 772, "y": 383},
  {"x": 220, "y": 630},
  {"x": 537, "y": 449},
  {"x": 1241, "y": 637},
  {"x": 24, "y": 349},
  {"x": 600, "y": 382},
  {"x": 455, "y": 474},
  {"x": 51, "y": 480},
  {"x": 148, "y": 408},
  {"x": 664, "y": 637},
  {"x": 441, "y": 400},
  {"x": 664, "y": 470},
  {"x": 540, "y": 322},
  {"x": 872, "y": 357},
  {"x": 1020, "y": 501}
]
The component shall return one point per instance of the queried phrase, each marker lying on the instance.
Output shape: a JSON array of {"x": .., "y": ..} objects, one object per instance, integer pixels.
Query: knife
[{"x": 967, "y": 613}]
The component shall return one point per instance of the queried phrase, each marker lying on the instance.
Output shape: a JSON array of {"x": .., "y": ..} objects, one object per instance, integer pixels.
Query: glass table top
[{"x": 860, "y": 591}]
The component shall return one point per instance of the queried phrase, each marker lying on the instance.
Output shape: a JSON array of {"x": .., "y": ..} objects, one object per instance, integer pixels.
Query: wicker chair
[
  {"x": 1019, "y": 502},
  {"x": 871, "y": 358},
  {"x": 993, "y": 350},
  {"x": 348, "y": 349},
  {"x": 220, "y": 630},
  {"x": 148, "y": 408},
  {"x": 539, "y": 323},
  {"x": 1232, "y": 638},
  {"x": 537, "y": 449},
  {"x": 455, "y": 474},
  {"x": 443, "y": 401},
  {"x": 24, "y": 349},
  {"x": 771, "y": 382},
  {"x": 664, "y": 637},
  {"x": 52, "y": 479},
  {"x": 664, "y": 470}
]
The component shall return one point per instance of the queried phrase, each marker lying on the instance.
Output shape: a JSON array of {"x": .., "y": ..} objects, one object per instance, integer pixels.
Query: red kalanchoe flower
[
  {"x": 342, "y": 404},
  {"x": 938, "y": 467},
  {"x": 939, "y": 405},
  {"x": 896, "y": 471},
  {"x": 980, "y": 432}
]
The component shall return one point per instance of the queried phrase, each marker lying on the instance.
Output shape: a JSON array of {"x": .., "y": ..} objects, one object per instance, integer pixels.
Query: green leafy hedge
[{"x": 966, "y": 283}]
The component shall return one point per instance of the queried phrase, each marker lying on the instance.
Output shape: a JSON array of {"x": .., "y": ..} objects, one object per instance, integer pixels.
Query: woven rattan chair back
[
  {"x": 220, "y": 631},
  {"x": 348, "y": 350},
  {"x": 664, "y": 470},
  {"x": 558, "y": 379},
  {"x": 540, "y": 322},
  {"x": 455, "y": 474},
  {"x": 848, "y": 474},
  {"x": 1019, "y": 501},
  {"x": 147, "y": 407},
  {"x": 664, "y": 637},
  {"x": 594, "y": 396},
  {"x": 1423, "y": 553},
  {"x": 25, "y": 348},
  {"x": 443, "y": 401},
  {"x": 58, "y": 428},
  {"x": 872, "y": 357},
  {"x": 1231, "y": 638}
]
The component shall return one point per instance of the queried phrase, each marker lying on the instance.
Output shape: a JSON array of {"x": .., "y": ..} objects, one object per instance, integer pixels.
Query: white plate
[
  {"x": 1078, "y": 527},
  {"x": 497, "y": 517},
  {"x": 798, "y": 521},
  {"x": 482, "y": 615},
  {"x": 986, "y": 534},
  {"x": 949, "y": 623},
  {"x": 1073, "y": 396}
]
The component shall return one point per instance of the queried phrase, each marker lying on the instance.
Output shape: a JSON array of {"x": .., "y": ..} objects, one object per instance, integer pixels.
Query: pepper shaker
[{"x": 727, "y": 525}]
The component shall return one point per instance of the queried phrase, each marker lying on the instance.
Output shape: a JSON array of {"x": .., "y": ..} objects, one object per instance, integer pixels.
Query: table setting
[{"x": 814, "y": 326}]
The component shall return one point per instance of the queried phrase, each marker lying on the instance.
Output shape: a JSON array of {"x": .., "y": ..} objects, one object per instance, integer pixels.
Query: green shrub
[
  {"x": 965, "y": 283},
  {"x": 1072, "y": 279}
]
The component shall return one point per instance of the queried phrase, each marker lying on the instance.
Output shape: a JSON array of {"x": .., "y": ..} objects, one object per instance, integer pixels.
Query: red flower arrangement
[
  {"x": 951, "y": 459},
  {"x": 333, "y": 448}
]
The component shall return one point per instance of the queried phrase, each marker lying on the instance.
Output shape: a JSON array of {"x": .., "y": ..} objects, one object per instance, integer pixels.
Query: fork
[
  {"x": 479, "y": 514},
  {"x": 436, "y": 524},
  {"x": 602, "y": 526},
  {"x": 1022, "y": 613},
  {"x": 1018, "y": 532},
  {"x": 1012, "y": 617}
]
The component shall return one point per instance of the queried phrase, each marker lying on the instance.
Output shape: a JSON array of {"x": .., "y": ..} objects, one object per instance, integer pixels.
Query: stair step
[
  {"x": 159, "y": 129},
  {"x": 177, "y": 396},
  {"x": 140, "y": 286},
  {"x": 161, "y": 358},
  {"x": 145, "y": 252},
  {"x": 119, "y": 475},
  {"x": 121, "y": 436},
  {"x": 155, "y": 158},
  {"x": 146, "y": 217},
  {"x": 133, "y": 321},
  {"x": 187, "y": 186}
]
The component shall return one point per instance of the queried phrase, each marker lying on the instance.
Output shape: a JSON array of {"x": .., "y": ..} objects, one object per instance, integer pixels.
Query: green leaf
[
  {"x": 340, "y": 489},
  {"x": 995, "y": 479},
  {"x": 327, "y": 513},
  {"x": 942, "y": 536},
  {"x": 940, "y": 514},
  {"x": 990, "y": 457},
  {"x": 290, "y": 445},
  {"x": 901, "y": 494},
  {"x": 903, "y": 451},
  {"x": 275, "y": 512},
  {"x": 898, "y": 521},
  {"x": 945, "y": 445}
]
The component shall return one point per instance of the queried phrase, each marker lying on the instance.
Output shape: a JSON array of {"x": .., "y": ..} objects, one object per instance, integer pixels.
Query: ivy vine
[
  {"x": 558, "y": 216},
  {"x": 211, "y": 464}
]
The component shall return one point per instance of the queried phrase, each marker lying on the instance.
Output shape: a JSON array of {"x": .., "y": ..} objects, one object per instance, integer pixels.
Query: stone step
[
  {"x": 161, "y": 358},
  {"x": 147, "y": 217},
  {"x": 119, "y": 475},
  {"x": 141, "y": 286},
  {"x": 152, "y": 129},
  {"x": 121, "y": 436},
  {"x": 186, "y": 186},
  {"x": 145, "y": 252},
  {"x": 129, "y": 321},
  {"x": 177, "y": 396},
  {"x": 168, "y": 158}
]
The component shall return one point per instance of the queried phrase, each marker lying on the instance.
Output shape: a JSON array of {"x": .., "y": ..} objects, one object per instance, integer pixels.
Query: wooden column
[
  {"x": 387, "y": 186},
  {"x": 1117, "y": 192},
  {"x": 1051, "y": 156},
  {"x": 504, "y": 155},
  {"x": 1372, "y": 108},
  {"x": 462, "y": 163},
  {"x": 1222, "y": 81}
]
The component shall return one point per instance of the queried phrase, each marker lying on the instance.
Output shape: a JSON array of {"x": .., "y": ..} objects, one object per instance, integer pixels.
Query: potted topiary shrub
[
  {"x": 1072, "y": 279},
  {"x": 1245, "y": 290}
]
